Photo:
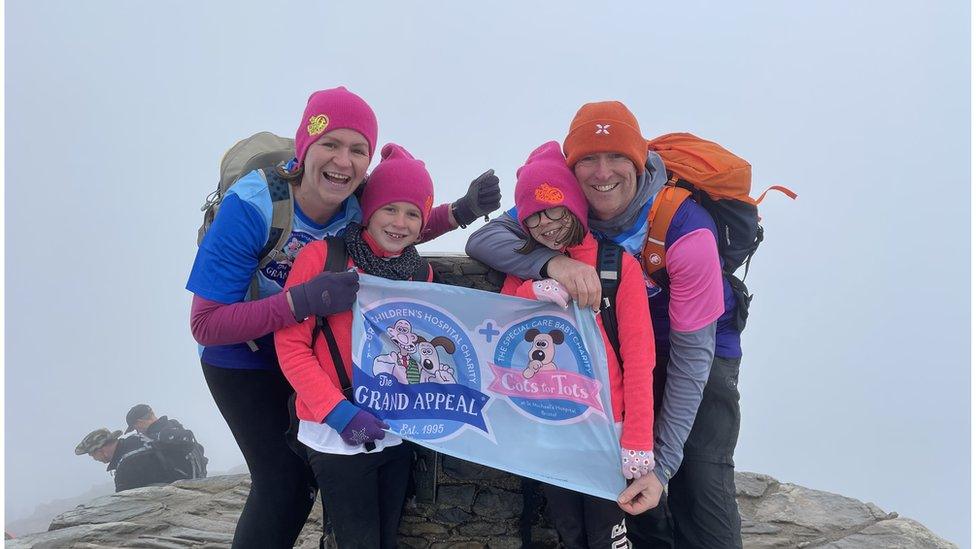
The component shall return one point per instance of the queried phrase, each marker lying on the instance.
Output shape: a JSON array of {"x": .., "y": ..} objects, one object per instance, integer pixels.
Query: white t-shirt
[{"x": 322, "y": 438}]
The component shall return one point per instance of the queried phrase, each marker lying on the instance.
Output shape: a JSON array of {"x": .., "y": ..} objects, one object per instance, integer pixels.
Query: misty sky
[{"x": 855, "y": 377}]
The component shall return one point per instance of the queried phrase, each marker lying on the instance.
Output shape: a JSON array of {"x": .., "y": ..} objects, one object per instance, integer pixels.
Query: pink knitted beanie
[
  {"x": 334, "y": 109},
  {"x": 399, "y": 177},
  {"x": 545, "y": 182}
]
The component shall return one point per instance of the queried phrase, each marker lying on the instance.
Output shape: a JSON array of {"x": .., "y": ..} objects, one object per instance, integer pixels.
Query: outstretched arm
[
  {"x": 695, "y": 304},
  {"x": 691, "y": 360},
  {"x": 483, "y": 197},
  {"x": 495, "y": 245},
  {"x": 215, "y": 323}
]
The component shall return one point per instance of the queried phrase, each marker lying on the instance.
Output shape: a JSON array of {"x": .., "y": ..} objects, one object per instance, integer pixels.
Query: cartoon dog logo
[
  {"x": 398, "y": 363},
  {"x": 431, "y": 367},
  {"x": 543, "y": 351},
  {"x": 292, "y": 248}
]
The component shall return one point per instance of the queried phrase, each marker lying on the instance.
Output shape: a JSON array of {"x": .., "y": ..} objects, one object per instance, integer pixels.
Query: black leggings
[
  {"x": 254, "y": 404},
  {"x": 363, "y": 494},
  {"x": 584, "y": 521},
  {"x": 700, "y": 510}
]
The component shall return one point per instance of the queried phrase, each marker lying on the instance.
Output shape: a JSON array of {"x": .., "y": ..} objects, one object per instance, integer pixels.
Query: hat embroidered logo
[
  {"x": 603, "y": 128},
  {"x": 317, "y": 124},
  {"x": 549, "y": 194}
]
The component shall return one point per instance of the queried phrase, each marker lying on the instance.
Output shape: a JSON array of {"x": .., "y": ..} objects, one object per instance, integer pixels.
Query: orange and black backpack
[{"x": 720, "y": 182}]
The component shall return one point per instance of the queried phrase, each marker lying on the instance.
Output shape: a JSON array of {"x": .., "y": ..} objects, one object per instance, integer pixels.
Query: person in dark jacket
[
  {"x": 132, "y": 460},
  {"x": 176, "y": 442},
  {"x": 142, "y": 419}
]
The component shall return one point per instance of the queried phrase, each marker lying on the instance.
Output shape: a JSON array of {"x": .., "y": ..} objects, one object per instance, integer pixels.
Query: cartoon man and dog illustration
[
  {"x": 430, "y": 368},
  {"x": 404, "y": 367}
]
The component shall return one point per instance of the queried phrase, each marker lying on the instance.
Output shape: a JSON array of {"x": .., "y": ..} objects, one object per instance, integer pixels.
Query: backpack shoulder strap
[
  {"x": 335, "y": 262},
  {"x": 609, "y": 262},
  {"x": 658, "y": 220},
  {"x": 282, "y": 213},
  {"x": 337, "y": 257}
]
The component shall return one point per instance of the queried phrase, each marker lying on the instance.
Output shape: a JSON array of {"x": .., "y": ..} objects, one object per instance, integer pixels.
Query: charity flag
[{"x": 511, "y": 383}]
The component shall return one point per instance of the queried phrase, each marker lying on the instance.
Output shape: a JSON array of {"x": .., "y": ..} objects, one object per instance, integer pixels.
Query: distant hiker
[
  {"x": 238, "y": 302},
  {"x": 694, "y": 312},
  {"x": 552, "y": 211},
  {"x": 169, "y": 436},
  {"x": 362, "y": 472},
  {"x": 133, "y": 460}
]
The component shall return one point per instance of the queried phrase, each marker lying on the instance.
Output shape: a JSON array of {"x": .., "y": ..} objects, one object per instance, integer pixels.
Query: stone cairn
[{"x": 461, "y": 504}]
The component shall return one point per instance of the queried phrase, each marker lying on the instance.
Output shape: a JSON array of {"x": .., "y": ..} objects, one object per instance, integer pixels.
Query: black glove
[
  {"x": 483, "y": 197},
  {"x": 326, "y": 294}
]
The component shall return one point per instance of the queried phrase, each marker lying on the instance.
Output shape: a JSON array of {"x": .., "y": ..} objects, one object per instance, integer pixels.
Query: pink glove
[
  {"x": 552, "y": 291},
  {"x": 636, "y": 463}
]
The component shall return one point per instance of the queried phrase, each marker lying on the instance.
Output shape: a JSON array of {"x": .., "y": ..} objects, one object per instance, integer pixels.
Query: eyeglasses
[{"x": 554, "y": 214}]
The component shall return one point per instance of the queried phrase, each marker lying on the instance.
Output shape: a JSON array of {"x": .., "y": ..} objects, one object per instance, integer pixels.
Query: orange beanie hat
[{"x": 603, "y": 127}]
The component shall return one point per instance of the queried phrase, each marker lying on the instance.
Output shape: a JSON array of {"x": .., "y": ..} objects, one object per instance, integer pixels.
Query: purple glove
[
  {"x": 364, "y": 427},
  {"x": 326, "y": 294}
]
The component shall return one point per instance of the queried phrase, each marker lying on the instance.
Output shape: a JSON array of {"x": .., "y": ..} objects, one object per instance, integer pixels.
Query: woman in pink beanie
[
  {"x": 238, "y": 280},
  {"x": 362, "y": 472},
  {"x": 553, "y": 212}
]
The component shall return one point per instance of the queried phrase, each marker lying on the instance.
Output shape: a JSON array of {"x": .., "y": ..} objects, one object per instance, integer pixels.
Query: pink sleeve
[
  {"x": 214, "y": 323},
  {"x": 299, "y": 363},
  {"x": 696, "y": 281},
  {"x": 438, "y": 224},
  {"x": 636, "y": 335},
  {"x": 514, "y": 285}
]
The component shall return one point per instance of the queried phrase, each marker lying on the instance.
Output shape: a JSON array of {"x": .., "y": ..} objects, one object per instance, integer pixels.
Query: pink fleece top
[
  {"x": 631, "y": 383},
  {"x": 311, "y": 370}
]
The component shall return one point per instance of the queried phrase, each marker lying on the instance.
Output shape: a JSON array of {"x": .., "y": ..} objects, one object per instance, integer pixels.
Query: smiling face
[
  {"x": 334, "y": 166},
  {"x": 395, "y": 226},
  {"x": 609, "y": 181},
  {"x": 550, "y": 232}
]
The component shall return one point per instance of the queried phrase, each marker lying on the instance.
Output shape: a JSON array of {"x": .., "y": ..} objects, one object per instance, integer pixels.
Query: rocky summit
[
  {"x": 468, "y": 507},
  {"x": 461, "y": 505}
]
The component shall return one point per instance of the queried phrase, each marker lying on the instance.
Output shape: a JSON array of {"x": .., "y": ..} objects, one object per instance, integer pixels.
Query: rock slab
[{"x": 474, "y": 509}]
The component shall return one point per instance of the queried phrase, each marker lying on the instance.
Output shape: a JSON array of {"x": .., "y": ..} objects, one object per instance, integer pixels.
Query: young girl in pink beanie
[
  {"x": 553, "y": 211},
  {"x": 362, "y": 472}
]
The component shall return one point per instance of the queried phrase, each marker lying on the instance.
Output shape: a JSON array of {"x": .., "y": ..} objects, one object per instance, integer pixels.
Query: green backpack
[{"x": 263, "y": 151}]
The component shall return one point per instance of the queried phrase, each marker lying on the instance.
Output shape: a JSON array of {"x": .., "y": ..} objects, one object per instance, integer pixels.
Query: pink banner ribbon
[{"x": 546, "y": 385}]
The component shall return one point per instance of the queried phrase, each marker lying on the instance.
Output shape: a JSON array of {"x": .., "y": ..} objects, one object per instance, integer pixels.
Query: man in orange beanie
[{"x": 693, "y": 308}]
